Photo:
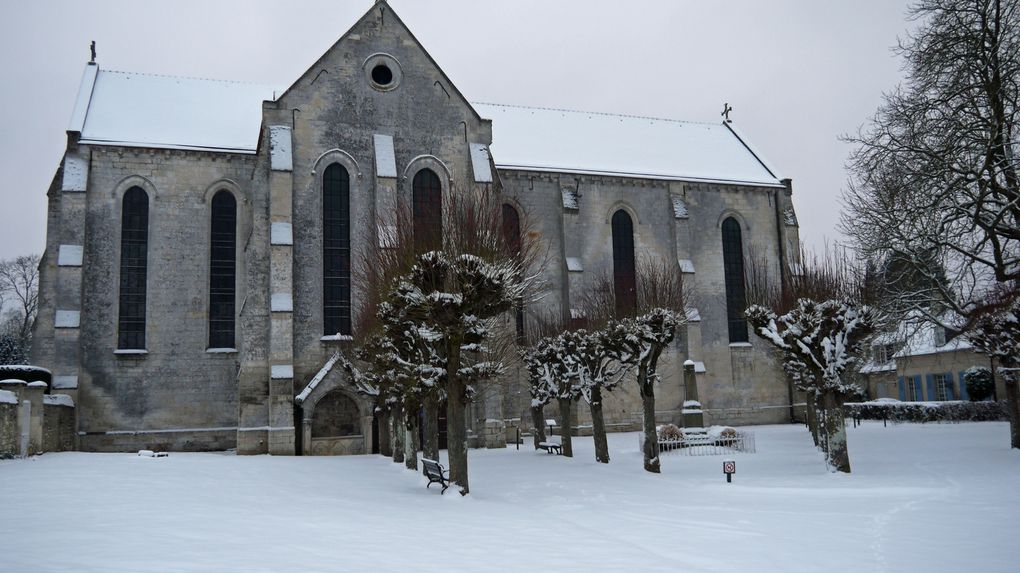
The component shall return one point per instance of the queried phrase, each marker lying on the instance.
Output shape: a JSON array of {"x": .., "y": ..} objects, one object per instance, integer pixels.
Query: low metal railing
[{"x": 706, "y": 445}]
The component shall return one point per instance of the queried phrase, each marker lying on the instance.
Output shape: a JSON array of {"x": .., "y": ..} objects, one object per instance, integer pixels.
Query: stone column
[
  {"x": 33, "y": 392},
  {"x": 692, "y": 414},
  {"x": 281, "y": 287}
]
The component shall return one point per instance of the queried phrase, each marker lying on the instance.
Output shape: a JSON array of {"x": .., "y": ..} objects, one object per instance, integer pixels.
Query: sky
[{"x": 798, "y": 74}]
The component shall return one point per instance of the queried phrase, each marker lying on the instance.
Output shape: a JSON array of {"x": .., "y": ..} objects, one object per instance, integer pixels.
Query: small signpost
[{"x": 729, "y": 467}]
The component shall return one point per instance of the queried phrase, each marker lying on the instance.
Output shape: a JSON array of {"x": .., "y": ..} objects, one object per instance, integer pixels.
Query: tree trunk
[
  {"x": 384, "y": 434},
  {"x": 598, "y": 427},
  {"x": 565, "y": 446},
  {"x": 651, "y": 449},
  {"x": 1013, "y": 404},
  {"x": 538, "y": 420},
  {"x": 397, "y": 429},
  {"x": 834, "y": 433},
  {"x": 430, "y": 430},
  {"x": 811, "y": 416},
  {"x": 411, "y": 438},
  {"x": 456, "y": 423}
]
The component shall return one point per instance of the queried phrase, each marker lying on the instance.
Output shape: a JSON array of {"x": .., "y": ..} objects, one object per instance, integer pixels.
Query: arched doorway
[{"x": 336, "y": 426}]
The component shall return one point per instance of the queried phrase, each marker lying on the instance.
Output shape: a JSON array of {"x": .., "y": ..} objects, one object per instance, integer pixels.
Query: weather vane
[{"x": 726, "y": 112}]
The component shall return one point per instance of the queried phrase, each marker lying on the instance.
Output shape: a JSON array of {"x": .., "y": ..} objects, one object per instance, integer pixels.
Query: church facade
[{"x": 197, "y": 274}]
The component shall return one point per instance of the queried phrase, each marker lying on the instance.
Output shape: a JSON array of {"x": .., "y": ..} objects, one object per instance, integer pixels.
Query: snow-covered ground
[{"x": 922, "y": 498}]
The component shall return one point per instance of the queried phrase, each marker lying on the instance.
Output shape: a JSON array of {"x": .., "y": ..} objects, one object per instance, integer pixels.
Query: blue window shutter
[
  {"x": 903, "y": 388},
  {"x": 963, "y": 388},
  {"x": 950, "y": 395},
  {"x": 918, "y": 391},
  {"x": 930, "y": 380}
]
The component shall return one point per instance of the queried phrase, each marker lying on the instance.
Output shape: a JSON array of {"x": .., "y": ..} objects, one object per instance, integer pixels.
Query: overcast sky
[{"x": 797, "y": 73}]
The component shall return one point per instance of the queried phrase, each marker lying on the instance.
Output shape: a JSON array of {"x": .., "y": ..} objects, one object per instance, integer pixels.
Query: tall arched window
[
  {"x": 624, "y": 273},
  {"x": 336, "y": 251},
  {"x": 222, "y": 270},
  {"x": 134, "y": 255},
  {"x": 427, "y": 207},
  {"x": 512, "y": 243},
  {"x": 733, "y": 269},
  {"x": 511, "y": 229}
]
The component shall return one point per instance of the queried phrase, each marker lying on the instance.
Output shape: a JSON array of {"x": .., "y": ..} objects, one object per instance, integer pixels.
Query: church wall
[
  {"x": 176, "y": 387},
  {"x": 743, "y": 383},
  {"x": 339, "y": 113},
  {"x": 740, "y": 376}
]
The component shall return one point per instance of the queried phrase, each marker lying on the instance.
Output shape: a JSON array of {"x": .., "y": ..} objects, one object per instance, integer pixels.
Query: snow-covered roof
[
  {"x": 58, "y": 400},
  {"x": 921, "y": 340},
  {"x": 543, "y": 139},
  {"x": 145, "y": 110}
]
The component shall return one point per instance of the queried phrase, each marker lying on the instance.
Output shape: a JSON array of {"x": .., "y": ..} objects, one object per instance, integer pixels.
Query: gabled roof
[
  {"x": 145, "y": 110},
  {"x": 168, "y": 112},
  {"x": 541, "y": 139}
]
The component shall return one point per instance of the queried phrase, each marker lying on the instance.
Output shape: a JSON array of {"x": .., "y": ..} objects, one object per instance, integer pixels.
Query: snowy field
[{"x": 925, "y": 498}]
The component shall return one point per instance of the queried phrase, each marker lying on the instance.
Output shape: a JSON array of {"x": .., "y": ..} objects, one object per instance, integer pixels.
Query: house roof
[
  {"x": 147, "y": 110},
  {"x": 541, "y": 139}
]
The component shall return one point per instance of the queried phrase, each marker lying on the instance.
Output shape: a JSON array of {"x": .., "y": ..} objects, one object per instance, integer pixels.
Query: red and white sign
[{"x": 729, "y": 467}]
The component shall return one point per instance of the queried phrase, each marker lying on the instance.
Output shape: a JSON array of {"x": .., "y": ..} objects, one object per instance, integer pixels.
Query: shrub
[
  {"x": 923, "y": 412},
  {"x": 980, "y": 383},
  {"x": 670, "y": 432}
]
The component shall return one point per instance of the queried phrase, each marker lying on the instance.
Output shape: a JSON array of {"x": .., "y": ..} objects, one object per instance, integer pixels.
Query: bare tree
[
  {"x": 937, "y": 173},
  {"x": 19, "y": 285}
]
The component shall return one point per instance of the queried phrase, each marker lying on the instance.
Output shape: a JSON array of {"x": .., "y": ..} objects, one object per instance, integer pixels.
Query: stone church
[{"x": 197, "y": 273}]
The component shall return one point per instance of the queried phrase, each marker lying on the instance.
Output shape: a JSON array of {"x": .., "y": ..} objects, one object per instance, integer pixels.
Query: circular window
[
  {"x": 382, "y": 75},
  {"x": 382, "y": 72}
]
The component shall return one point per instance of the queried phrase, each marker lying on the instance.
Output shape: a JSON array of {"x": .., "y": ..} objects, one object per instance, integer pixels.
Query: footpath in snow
[{"x": 931, "y": 498}]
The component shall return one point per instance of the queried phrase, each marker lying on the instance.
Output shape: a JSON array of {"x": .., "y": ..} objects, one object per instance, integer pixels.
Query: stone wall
[
  {"x": 58, "y": 426},
  {"x": 9, "y": 424},
  {"x": 50, "y": 422}
]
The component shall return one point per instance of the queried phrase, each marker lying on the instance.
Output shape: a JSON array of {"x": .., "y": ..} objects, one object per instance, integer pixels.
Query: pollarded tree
[
  {"x": 455, "y": 299},
  {"x": 819, "y": 341},
  {"x": 541, "y": 384},
  {"x": 647, "y": 337},
  {"x": 646, "y": 330},
  {"x": 598, "y": 360},
  {"x": 476, "y": 223},
  {"x": 552, "y": 377}
]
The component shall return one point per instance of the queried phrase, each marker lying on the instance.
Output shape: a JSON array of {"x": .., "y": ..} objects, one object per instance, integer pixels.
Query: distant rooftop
[{"x": 146, "y": 110}]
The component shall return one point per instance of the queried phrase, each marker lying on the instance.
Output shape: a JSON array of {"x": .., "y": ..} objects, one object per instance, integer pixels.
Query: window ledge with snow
[
  {"x": 740, "y": 345},
  {"x": 221, "y": 351},
  {"x": 337, "y": 338},
  {"x": 131, "y": 352}
]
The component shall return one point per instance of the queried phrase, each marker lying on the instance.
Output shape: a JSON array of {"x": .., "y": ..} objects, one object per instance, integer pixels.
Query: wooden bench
[
  {"x": 551, "y": 448},
  {"x": 435, "y": 472}
]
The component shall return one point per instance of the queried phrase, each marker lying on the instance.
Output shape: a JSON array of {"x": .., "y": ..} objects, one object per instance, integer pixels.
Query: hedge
[{"x": 923, "y": 412}]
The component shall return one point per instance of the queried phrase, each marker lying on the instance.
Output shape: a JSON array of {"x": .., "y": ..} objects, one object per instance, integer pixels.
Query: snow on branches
[
  {"x": 997, "y": 334},
  {"x": 819, "y": 341}
]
